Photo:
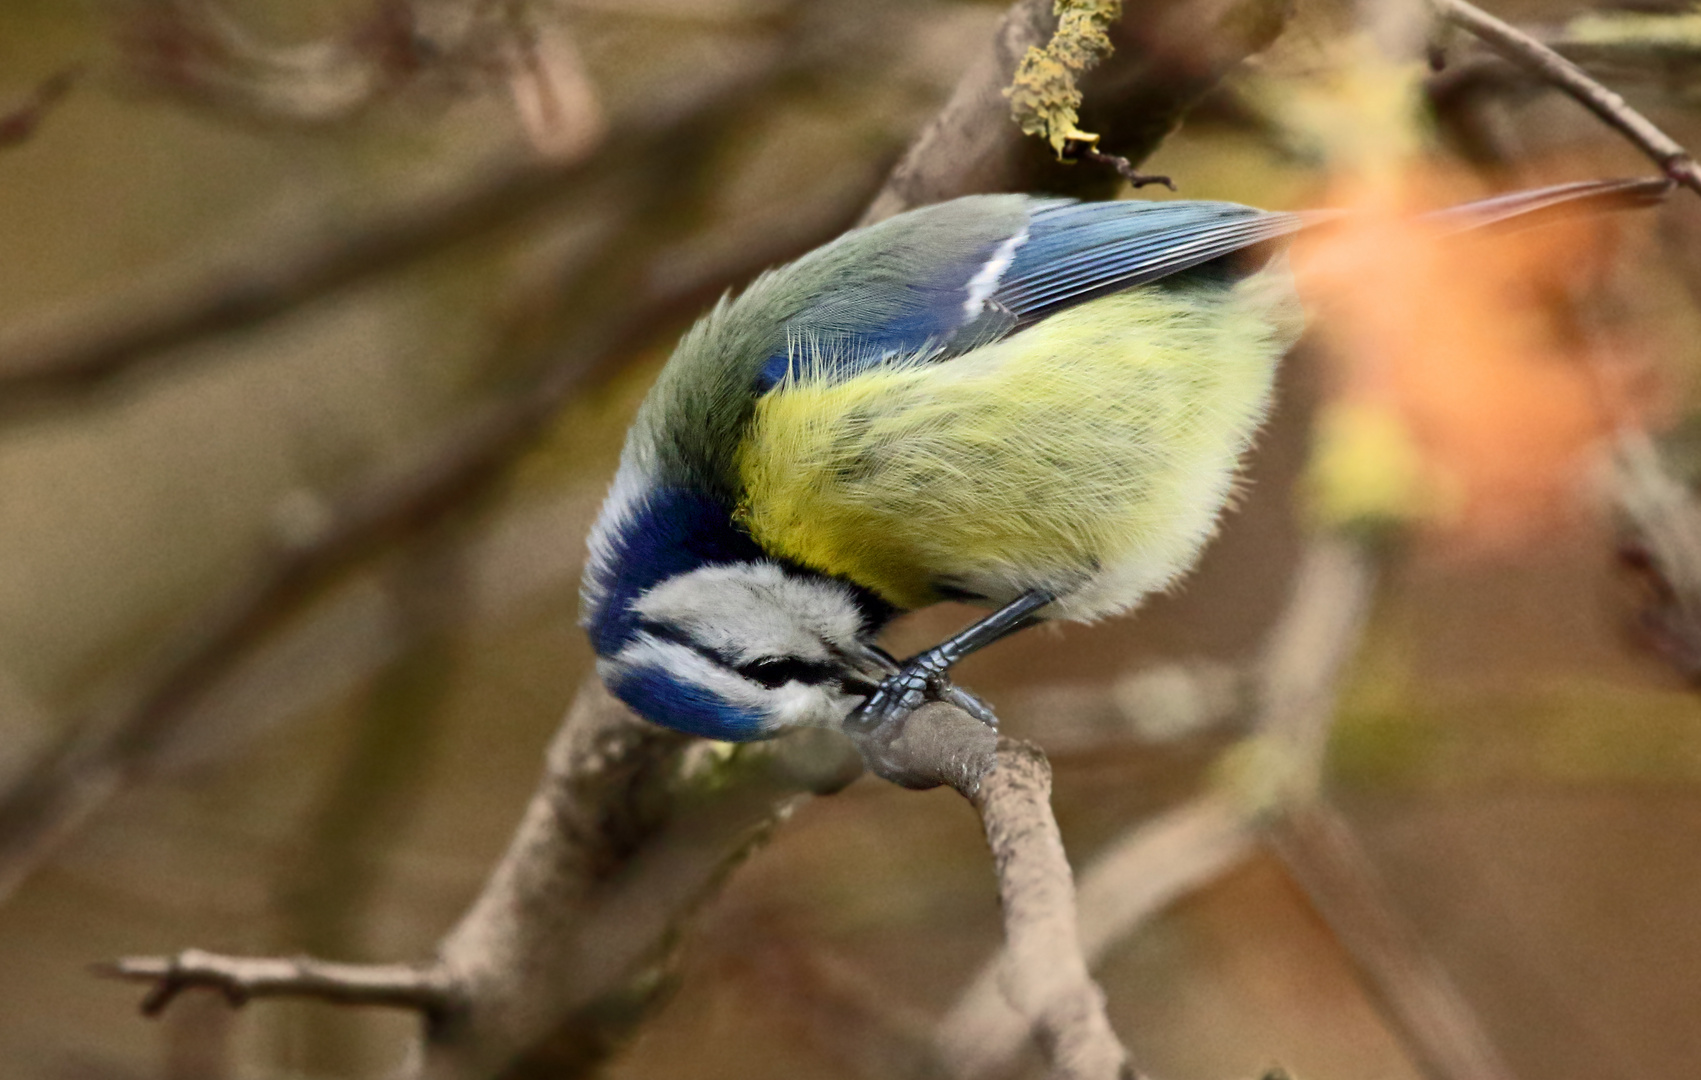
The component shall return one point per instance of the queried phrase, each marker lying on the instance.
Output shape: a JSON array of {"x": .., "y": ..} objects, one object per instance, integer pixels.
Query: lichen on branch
[{"x": 1044, "y": 99}]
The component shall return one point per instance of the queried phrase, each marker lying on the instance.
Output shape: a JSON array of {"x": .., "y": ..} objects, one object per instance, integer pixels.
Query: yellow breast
[{"x": 1103, "y": 440}]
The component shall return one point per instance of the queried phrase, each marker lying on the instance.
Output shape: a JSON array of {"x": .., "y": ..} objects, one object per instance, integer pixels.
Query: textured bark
[{"x": 1167, "y": 55}]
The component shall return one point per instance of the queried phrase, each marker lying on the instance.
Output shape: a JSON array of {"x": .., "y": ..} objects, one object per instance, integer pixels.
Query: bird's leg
[{"x": 923, "y": 676}]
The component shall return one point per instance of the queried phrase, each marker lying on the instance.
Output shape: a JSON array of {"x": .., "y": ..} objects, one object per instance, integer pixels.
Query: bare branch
[
  {"x": 19, "y": 123},
  {"x": 1145, "y": 871},
  {"x": 1526, "y": 51},
  {"x": 240, "y": 979},
  {"x": 1267, "y": 789},
  {"x": 1167, "y": 55},
  {"x": 1279, "y": 763},
  {"x": 1042, "y": 971},
  {"x": 633, "y": 827}
]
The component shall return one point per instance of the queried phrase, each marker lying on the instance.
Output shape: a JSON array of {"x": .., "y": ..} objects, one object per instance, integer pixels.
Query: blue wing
[
  {"x": 1075, "y": 252},
  {"x": 938, "y": 289}
]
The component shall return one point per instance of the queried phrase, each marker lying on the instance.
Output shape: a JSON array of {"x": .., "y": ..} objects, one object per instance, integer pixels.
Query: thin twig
[
  {"x": 423, "y": 988},
  {"x": 1124, "y": 168},
  {"x": 1526, "y": 51},
  {"x": 19, "y": 123}
]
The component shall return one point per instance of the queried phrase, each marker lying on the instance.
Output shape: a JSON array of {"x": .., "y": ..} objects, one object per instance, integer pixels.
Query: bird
[{"x": 1030, "y": 404}]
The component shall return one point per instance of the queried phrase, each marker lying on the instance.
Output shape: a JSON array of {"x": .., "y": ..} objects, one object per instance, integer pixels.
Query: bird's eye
[{"x": 775, "y": 671}]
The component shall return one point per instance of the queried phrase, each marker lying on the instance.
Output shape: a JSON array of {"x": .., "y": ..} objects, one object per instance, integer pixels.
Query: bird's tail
[{"x": 1538, "y": 206}]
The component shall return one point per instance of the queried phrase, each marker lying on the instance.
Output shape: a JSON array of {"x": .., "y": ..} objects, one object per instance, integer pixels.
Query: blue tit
[{"x": 1034, "y": 405}]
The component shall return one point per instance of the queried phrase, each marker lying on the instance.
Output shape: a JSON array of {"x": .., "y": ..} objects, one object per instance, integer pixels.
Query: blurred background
[{"x": 479, "y": 226}]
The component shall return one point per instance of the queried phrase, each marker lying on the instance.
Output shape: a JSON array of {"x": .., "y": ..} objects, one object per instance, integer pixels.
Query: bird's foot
[
  {"x": 921, "y": 679},
  {"x": 880, "y": 725}
]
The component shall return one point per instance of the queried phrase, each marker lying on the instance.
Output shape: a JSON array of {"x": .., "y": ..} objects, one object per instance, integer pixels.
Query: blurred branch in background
[
  {"x": 1662, "y": 525},
  {"x": 197, "y": 52},
  {"x": 19, "y": 122},
  {"x": 325, "y": 894},
  {"x": 1623, "y": 46},
  {"x": 81, "y": 351},
  {"x": 1556, "y": 70}
]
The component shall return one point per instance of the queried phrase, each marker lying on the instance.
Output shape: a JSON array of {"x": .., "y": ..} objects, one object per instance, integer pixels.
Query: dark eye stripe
[
  {"x": 775, "y": 671},
  {"x": 772, "y": 672}
]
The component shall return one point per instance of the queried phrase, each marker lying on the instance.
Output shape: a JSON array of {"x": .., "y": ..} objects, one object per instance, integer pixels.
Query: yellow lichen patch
[{"x": 1043, "y": 97}]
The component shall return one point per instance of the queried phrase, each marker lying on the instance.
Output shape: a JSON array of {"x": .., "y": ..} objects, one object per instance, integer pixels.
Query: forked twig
[{"x": 1527, "y": 52}]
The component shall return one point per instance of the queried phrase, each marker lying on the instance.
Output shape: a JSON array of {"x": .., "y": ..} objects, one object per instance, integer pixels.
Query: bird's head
[{"x": 744, "y": 650}]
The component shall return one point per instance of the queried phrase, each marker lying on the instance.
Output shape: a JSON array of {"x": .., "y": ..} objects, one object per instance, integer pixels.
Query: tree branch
[
  {"x": 242, "y": 978},
  {"x": 1041, "y": 972},
  {"x": 1146, "y": 870},
  {"x": 1167, "y": 55},
  {"x": 1044, "y": 972},
  {"x": 1527, "y": 52},
  {"x": 1266, "y": 791}
]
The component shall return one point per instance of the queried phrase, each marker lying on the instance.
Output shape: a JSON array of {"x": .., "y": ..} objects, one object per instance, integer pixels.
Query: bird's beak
[
  {"x": 875, "y": 661},
  {"x": 866, "y": 666}
]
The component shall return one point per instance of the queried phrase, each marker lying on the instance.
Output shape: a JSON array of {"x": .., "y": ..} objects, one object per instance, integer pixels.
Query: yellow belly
[{"x": 1089, "y": 454}]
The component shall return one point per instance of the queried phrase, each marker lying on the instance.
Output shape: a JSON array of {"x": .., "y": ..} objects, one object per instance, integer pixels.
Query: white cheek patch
[{"x": 755, "y": 610}]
